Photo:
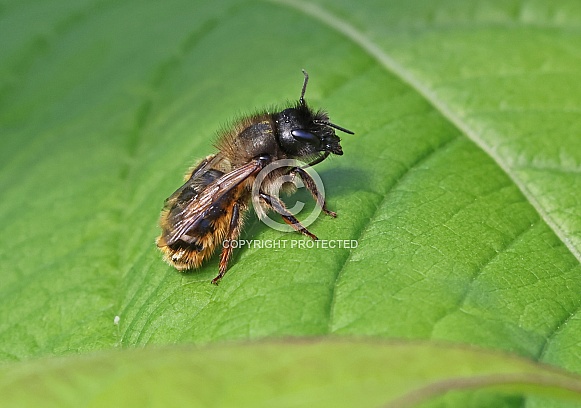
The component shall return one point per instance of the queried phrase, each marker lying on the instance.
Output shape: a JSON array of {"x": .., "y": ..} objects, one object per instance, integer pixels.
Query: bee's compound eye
[{"x": 307, "y": 137}]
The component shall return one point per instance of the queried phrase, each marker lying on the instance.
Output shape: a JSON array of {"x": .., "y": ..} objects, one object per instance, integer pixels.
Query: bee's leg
[
  {"x": 312, "y": 187},
  {"x": 233, "y": 233},
  {"x": 278, "y": 206}
]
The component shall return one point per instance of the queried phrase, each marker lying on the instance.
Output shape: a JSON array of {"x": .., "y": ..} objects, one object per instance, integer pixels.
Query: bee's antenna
[
  {"x": 342, "y": 129},
  {"x": 306, "y": 81}
]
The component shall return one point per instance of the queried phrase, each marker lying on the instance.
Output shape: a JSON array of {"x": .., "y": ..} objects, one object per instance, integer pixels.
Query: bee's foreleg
[{"x": 312, "y": 187}]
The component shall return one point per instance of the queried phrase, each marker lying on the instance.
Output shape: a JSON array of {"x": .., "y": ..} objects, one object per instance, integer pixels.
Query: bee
[{"x": 208, "y": 209}]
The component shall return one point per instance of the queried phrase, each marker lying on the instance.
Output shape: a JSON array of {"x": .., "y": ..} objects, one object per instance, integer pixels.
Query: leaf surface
[{"x": 458, "y": 192}]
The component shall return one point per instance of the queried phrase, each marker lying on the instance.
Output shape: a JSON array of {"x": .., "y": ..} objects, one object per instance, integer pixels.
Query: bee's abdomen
[{"x": 200, "y": 241}]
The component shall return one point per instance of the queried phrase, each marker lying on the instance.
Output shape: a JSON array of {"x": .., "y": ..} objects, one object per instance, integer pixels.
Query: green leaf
[
  {"x": 282, "y": 374},
  {"x": 459, "y": 187}
]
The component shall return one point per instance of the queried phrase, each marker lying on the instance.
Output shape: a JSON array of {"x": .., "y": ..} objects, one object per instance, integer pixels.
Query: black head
[{"x": 304, "y": 133}]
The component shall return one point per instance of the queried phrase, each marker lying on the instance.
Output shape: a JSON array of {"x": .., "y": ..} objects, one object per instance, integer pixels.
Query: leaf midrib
[{"x": 391, "y": 65}]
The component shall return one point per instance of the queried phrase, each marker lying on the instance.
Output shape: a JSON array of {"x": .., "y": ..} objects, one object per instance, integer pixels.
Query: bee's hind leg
[{"x": 233, "y": 233}]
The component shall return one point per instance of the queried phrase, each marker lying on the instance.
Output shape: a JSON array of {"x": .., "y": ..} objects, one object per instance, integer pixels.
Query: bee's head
[{"x": 303, "y": 133}]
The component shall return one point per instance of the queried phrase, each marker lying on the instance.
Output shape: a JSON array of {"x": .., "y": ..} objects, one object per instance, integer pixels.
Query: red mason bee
[{"x": 208, "y": 209}]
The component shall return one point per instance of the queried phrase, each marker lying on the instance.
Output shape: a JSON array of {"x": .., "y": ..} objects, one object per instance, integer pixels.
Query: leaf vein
[
  {"x": 420, "y": 160},
  {"x": 494, "y": 255},
  {"x": 430, "y": 95}
]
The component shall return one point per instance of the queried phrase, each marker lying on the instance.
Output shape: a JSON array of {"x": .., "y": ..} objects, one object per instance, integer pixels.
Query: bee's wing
[
  {"x": 183, "y": 214},
  {"x": 194, "y": 180}
]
